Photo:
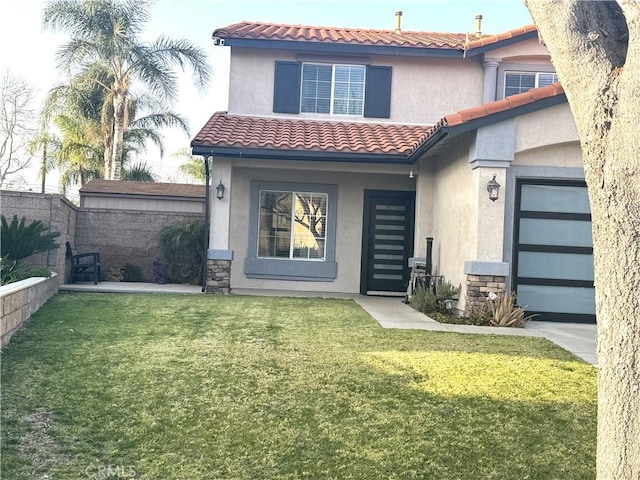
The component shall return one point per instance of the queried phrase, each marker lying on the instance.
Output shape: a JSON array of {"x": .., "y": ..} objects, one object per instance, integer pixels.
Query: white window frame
[
  {"x": 293, "y": 194},
  {"x": 536, "y": 83},
  {"x": 333, "y": 84}
]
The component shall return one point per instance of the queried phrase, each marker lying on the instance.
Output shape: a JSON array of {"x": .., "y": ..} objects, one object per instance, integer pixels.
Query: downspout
[{"x": 206, "y": 223}]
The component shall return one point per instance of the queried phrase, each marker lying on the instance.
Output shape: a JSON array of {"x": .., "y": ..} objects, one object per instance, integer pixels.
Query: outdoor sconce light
[
  {"x": 411, "y": 175},
  {"x": 494, "y": 189},
  {"x": 220, "y": 191}
]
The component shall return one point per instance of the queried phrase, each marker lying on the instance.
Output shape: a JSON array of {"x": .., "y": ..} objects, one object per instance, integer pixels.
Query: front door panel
[{"x": 387, "y": 241}]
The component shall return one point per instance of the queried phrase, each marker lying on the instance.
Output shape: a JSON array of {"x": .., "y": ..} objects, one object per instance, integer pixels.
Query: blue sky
[{"x": 32, "y": 55}]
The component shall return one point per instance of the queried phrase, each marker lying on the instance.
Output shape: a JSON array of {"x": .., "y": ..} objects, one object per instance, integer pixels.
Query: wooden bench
[{"x": 84, "y": 265}]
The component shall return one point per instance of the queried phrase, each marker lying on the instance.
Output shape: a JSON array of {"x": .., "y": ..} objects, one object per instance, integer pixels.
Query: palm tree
[
  {"x": 45, "y": 144},
  {"x": 79, "y": 111},
  {"x": 83, "y": 97},
  {"x": 192, "y": 166},
  {"x": 105, "y": 37},
  {"x": 81, "y": 150},
  {"x": 140, "y": 172}
]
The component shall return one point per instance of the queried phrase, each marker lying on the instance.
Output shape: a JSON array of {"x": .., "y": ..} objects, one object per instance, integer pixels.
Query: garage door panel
[
  {"x": 555, "y": 299},
  {"x": 561, "y": 266},
  {"x": 555, "y": 198},
  {"x": 553, "y": 255},
  {"x": 547, "y": 231}
]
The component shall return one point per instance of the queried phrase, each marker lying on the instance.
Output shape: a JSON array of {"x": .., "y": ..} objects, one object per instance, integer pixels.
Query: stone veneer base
[
  {"x": 219, "y": 276},
  {"x": 479, "y": 287}
]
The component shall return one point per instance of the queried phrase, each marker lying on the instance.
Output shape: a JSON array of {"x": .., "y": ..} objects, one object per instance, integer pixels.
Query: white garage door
[{"x": 553, "y": 264}]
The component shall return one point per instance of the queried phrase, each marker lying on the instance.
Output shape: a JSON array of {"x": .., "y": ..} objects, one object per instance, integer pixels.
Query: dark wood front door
[{"x": 387, "y": 240}]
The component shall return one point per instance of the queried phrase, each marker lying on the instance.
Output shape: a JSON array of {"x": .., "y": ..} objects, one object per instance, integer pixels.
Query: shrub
[
  {"x": 131, "y": 273},
  {"x": 19, "y": 240},
  {"x": 501, "y": 311},
  {"x": 11, "y": 271},
  {"x": 431, "y": 299},
  {"x": 114, "y": 274},
  {"x": 159, "y": 272},
  {"x": 423, "y": 299},
  {"x": 183, "y": 249},
  {"x": 446, "y": 291}
]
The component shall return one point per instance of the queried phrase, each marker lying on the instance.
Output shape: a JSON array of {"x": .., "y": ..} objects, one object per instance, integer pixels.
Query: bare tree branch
[{"x": 16, "y": 118}]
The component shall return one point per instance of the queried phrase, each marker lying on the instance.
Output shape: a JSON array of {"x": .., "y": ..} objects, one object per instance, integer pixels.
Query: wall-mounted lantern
[
  {"x": 220, "y": 191},
  {"x": 493, "y": 187}
]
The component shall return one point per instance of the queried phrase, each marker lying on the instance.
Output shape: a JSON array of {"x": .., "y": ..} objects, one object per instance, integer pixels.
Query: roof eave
[
  {"x": 344, "y": 48},
  {"x": 442, "y": 135},
  {"x": 304, "y": 155}
]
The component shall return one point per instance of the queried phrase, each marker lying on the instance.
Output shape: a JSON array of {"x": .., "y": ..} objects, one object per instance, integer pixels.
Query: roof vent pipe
[
  {"x": 398, "y": 18},
  {"x": 478, "y": 25}
]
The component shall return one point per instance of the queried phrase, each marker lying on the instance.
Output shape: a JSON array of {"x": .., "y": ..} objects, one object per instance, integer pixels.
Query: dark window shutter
[
  {"x": 286, "y": 89},
  {"x": 377, "y": 92}
]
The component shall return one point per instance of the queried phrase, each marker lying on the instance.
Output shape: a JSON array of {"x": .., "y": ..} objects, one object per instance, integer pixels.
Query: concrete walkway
[{"x": 389, "y": 312}]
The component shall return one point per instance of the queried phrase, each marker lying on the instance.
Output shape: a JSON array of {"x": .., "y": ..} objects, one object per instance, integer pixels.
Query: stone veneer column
[
  {"x": 479, "y": 287},
  {"x": 219, "y": 254},
  {"x": 219, "y": 276}
]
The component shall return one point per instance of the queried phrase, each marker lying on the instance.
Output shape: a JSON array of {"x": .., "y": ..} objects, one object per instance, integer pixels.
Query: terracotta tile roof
[
  {"x": 224, "y": 130},
  {"x": 240, "y": 132},
  {"x": 270, "y": 31},
  {"x": 508, "y": 103},
  {"x": 492, "y": 39},
  {"x": 122, "y": 187},
  {"x": 469, "y": 114}
]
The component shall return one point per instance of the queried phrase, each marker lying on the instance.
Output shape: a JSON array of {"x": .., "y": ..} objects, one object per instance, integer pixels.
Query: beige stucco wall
[
  {"x": 557, "y": 155},
  {"x": 425, "y": 191},
  {"x": 351, "y": 179},
  {"x": 415, "y": 93},
  {"x": 464, "y": 223},
  {"x": 454, "y": 214},
  {"x": 528, "y": 50},
  {"x": 544, "y": 127},
  {"x": 490, "y": 216},
  {"x": 548, "y": 138}
]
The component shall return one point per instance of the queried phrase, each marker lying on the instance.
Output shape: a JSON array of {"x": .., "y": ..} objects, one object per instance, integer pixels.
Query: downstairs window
[
  {"x": 292, "y": 231},
  {"x": 292, "y": 225}
]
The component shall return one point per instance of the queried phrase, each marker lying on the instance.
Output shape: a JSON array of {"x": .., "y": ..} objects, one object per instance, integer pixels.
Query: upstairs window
[
  {"x": 520, "y": 82},
  {"x": 333, "y": 89}
]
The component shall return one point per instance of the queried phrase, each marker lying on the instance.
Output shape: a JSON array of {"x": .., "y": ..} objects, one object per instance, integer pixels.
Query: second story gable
[{"x": 326, "y": 73}]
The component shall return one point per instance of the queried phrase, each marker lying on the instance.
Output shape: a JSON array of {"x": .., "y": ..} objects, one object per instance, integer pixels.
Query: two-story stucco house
[{"x": 344, "y": 149}]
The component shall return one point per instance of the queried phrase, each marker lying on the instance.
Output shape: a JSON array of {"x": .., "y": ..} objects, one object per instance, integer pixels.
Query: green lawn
[{"x": 234, "y": 387}]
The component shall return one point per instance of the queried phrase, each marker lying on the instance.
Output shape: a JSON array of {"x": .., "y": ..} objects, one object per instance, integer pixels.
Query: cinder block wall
[
  {"x": 125, "y": 236},
  {"x": 21, "y": 300},
  {"x": 58, "y": 213}
]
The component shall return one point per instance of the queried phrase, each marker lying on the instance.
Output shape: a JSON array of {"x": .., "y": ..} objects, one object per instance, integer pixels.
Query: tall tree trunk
[
  {"x": 107, "y": 135},
  {"x": 43, "y": 168},
  {"x": 119, "y": 122},
  {"x": 603, "y": 39},
  {"x": 108, "y": 154}
]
